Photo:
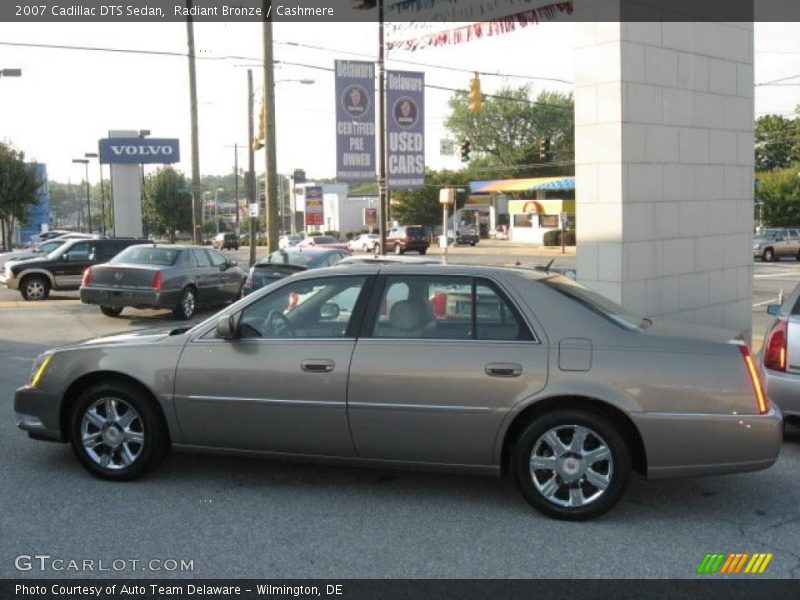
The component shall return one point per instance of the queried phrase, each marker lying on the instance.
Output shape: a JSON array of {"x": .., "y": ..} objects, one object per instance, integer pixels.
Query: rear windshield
[
  {"x": 595, "y": 302},
  {"x": 303, "y": 259},
  {"x": 416, "y": 231},
  {"x": 147, "y": 255},
  {"x": 325, "y": 239}
]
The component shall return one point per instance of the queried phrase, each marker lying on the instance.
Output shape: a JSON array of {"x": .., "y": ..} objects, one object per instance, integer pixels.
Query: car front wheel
[
  {"x": 768, "y": 255},
  {"x": 35, "y": 287},
  {"x": 571, "y": 465},
  {"x": 116, "y": 432},
  {"x": 398, "y": 249}
]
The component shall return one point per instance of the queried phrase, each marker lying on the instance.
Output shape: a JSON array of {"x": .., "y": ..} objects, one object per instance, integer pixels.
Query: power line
[{"x": 773, "y": 81}]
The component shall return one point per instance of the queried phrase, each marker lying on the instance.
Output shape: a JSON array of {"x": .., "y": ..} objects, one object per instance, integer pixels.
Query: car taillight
[
  {"x": 87, "y": 276},
  {"x": 762, "y": 403},
  {"x": 248, "y": 283},
  {"x": 775, "y": 347},
  {"x": 158, "y": 281}
]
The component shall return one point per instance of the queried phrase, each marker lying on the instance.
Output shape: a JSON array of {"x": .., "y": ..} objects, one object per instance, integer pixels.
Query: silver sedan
[
  {"x": 463, "y": 368},
  {"x": 779, "y": 358}
]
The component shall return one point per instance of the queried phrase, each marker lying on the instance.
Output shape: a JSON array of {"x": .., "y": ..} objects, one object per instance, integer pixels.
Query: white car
[
  {"x": 287, "y": 241},
  {"x": 366, "y": 242}
]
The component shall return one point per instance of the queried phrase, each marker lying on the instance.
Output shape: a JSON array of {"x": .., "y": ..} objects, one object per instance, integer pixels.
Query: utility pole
[
  {"x": 271, "y": 173},
  {"x": 251, "y": 165},
  {"x": 236, "y": 181},
  {"x": 383, "y": 202},
  {"x": 196, "y": 218}
]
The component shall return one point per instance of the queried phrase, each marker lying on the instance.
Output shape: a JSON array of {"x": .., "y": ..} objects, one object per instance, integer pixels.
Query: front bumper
[
  {"x": 120, "y": 298},
  {"x": 37, "y": 413},
  {"x": 687, "y": 445}
]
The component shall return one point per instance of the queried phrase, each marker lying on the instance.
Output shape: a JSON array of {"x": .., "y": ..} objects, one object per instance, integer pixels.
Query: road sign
[{"x": 254, "y": 209}]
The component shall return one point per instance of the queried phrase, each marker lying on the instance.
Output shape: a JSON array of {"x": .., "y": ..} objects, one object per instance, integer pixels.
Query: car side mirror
[
  {"x": 228, "y": 327},
  {"x": 773, "y": 309},
  {"x": 233, "y": 263},
  {"x": 65, "y": 257},
  {"x": 329, "y": 311}
]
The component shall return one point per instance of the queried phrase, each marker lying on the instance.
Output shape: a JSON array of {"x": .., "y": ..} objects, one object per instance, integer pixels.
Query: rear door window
[{"x": 201, "y": 258}]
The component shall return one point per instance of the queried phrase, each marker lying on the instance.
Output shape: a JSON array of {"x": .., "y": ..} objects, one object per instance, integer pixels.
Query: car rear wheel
[
  {"x": 35, "y": 287},
  {"x": 111, "y": 311},
  {"x": 116, "y": 432},
  {"x": 187, "y": 304},
  {"x": 768, "y": 255},
  {"x": 571, "y": 465}
]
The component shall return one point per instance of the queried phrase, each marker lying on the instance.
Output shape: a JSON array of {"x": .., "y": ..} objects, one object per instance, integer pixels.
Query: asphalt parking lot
[{"x": 242, "y": 517}]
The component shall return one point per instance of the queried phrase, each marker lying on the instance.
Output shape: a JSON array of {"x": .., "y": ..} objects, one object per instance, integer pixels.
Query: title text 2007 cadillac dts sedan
[{"x": 481, "y": 369}]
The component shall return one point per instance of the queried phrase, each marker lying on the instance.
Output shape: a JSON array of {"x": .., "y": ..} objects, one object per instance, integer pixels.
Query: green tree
[
  {"x": 779, "y": 191},
  {"x": 777, "y": 142},
  {"x": 18, "y": 187},
  {"x": 421, "y": 206},
  {"x": 168, "y": 207},
  {"x": 505, "y": 134}
]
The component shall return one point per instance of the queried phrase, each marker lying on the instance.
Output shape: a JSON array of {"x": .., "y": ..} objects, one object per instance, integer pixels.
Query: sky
[{"x": 68, "y": 99}]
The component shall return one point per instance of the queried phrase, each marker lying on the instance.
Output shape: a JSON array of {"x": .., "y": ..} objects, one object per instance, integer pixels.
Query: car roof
[
  {"x": 306, "y": 250},
  {"x": 426, "y": 268}
]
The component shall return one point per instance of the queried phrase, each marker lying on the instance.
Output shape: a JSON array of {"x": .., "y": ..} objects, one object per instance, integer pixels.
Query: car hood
[
  {"x": 133, "y": 338},
  {"x": 690, "y": 331}
]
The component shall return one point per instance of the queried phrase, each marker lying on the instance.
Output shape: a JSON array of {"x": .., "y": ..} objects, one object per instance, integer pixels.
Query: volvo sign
[{"x": 139, "y": 150}]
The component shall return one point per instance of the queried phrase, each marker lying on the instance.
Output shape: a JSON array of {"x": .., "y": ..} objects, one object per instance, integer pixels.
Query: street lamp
[
  {"x": 85, "y": 163},
  {"x": 102, "y": 191},
  {"x": 10, "y": 72}
]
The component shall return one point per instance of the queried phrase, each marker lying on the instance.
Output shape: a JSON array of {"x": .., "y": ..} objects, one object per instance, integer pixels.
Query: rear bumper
[
  {"x": 783, "y": 389},
  {"x": 119, "y": 298},
  {"x": 687, "y": 445}
]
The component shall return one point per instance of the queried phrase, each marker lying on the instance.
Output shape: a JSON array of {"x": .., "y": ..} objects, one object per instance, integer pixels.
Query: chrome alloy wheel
[
  {"x": 112, "y": 433},
  {"x": 571, "y": 466},
  {"x": 35, "y": 289},
  {"x": 187, "y": 303}
]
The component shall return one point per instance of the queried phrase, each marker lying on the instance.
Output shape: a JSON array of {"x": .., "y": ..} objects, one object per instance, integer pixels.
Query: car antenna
[{"x": 548, "y": 265}]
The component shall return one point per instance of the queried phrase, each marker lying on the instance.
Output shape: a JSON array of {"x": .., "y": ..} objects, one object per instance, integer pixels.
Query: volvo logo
[
  {"x": 143, "y": 150},
  {"x": 118, "y": 276}
]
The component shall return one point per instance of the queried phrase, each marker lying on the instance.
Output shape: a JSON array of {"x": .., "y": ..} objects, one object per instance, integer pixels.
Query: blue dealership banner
[
  {"x": 405, "y": 105},
  {"x": 139, "y": 150},
  {"x": 355, "y": 121}
]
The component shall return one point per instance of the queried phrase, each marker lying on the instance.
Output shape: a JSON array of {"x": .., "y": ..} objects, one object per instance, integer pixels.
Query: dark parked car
[
  {"x": 467, "y": 236},
  {"x": 404, "y": 238},
  {"x": 63, "y": 268},
  {"x": 289, "y": 261},
  {"x": 225, "y": 241},
  {"x": 162, "y": 276}
]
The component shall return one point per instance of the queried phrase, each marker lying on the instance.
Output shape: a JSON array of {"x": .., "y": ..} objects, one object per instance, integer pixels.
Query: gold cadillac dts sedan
[{"x": 481, "y": 369}]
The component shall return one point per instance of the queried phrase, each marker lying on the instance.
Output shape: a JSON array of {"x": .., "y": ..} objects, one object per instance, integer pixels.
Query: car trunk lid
[{"x": 124, "y": 275}]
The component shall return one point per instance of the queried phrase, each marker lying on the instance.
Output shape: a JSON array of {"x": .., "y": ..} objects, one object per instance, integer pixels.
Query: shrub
[{"x": 553, "y": 238}]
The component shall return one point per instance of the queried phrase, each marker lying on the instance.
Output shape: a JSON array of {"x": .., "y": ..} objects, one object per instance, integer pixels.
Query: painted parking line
[{"x": 24, "y": 304}]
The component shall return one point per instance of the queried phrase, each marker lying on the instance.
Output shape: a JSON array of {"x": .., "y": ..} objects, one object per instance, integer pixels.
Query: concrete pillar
[
  {"x": 126, "y": 193},
  {"x": 664, "y": 168}
]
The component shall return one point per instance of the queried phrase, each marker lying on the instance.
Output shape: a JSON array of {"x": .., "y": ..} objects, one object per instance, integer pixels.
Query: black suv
[
  {"x": 63, "y": 268},
  {"x": 225, "y": 241},
  {"x": 408, "y": 237}
]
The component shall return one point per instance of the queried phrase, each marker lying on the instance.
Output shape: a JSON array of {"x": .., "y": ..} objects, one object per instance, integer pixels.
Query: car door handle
[
  {"x": 317, "y": 365},
  {"x": 504, "y": 369}
]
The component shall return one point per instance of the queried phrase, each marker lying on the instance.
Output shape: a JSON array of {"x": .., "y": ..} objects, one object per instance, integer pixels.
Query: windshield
[
  {"x": 147, "y": 255},
  {"x": 766, "y": 234},
  {"x": 325, "y": 239},
  {"x": 595, "y": 302},
  {"x": 47, "y": 247}
]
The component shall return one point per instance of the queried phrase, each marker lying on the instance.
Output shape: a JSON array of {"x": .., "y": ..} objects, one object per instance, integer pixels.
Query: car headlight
[{"x": 39, "y": 366}]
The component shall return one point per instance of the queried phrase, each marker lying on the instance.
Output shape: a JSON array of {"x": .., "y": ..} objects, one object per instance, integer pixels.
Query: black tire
[
  {"x": 187, "y": 304},
  {"x": 34, "y": 288},
  {"x": 111, "y": 311},
  {"x": 398, "y": 249},
  {"x": 768, "y": 255},
  {"x": 423, "y": 250},
  {"x": 601, "y": 433},
  {"x": 472, "y": 244},
  {"x": 147, "y": 422}
]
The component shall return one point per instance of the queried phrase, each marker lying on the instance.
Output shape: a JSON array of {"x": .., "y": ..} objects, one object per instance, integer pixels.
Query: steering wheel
[{"x": 277, "y": 325}]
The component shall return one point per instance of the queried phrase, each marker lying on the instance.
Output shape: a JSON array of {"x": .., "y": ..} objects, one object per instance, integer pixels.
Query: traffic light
[
  {"x": 544, "y": 148},
  {"x": 261, "y": 134},
  {"x": 465, "y": 151},
  {"x": 475, "y": 100}
]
